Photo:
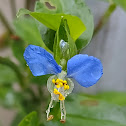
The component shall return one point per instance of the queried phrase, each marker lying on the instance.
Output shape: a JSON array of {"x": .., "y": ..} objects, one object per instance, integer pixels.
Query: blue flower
[{"x": 85, "y": 70}]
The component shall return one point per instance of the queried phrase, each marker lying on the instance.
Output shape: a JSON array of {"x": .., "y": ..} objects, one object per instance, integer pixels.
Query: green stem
[
  {"x": 27, "y": 4},
  {"x": 5, "y": 22},
  {"x": 12, "y": 65},
  {"x": 13, "y": 8},
  {"x": 104, "y": 18}
]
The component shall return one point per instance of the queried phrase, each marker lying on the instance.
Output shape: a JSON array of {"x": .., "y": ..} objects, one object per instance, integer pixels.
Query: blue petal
[
  {"x": 40, "y": 61},
  {"x": 86, "y": 70}
]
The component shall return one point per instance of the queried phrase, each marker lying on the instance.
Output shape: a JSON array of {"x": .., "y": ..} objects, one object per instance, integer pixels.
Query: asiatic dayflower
[{"x": 83, "y": 69}]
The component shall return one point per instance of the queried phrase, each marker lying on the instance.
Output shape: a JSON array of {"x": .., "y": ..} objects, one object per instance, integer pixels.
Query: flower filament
[
  {"x": 59, "y": 86},
  {"x": 60, "y": 83}
]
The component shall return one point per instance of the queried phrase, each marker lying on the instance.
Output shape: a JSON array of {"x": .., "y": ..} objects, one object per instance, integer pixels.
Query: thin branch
[
  {"x": 5, "y": 22},
  {"x": 15, "y": 68},
  {"x": 13, "y": 8},
  {"x": 27, "y": 4},
  {"x": 104, "y": 18}
]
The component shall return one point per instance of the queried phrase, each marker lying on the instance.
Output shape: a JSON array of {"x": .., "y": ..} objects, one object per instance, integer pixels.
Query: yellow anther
[
  {"x": 61, "y": 84},
  {"x": 56, "y": 91},
  {"x": 65, "y": 82},
  {"x": 66, "y": 87},
  {"x": 53, "y": 81},
  {"x": 61, "y": 97},
  {"x": 50, "y": 117},
  {"x": 58, "y": 86},
  {"x": 58, "y": 80},
  {"x": 61, "y": 80}
]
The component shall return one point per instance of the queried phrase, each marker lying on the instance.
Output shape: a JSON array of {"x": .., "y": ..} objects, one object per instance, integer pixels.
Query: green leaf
[
  {"x": 79, "y": 121},
  {"x": 48, "y": 36},
  {"x": 78, "y": 8},
  {"x": 50, "y": 6},
  {"x": 52, "y": 21},
  {"x": 64, "y": 52},
  {"x": 64, "y": 6},
  {"x": 27, "y": 29},
  {"x": 30, "y": 120},
  {"x": 91, "y": 122},
  {"x": 83, "y": 110},
  {"x": 96, "y": 109},
  {"x": 118, "y": 98}
]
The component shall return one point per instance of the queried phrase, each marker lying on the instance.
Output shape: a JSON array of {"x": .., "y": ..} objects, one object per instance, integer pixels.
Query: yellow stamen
[
  {"x": 60, "y": 83},
  {"x": 61, "y": 97},
  {"x": 65, "y": 82},
  {"x": 66, "y": 87},
  {"x": 58, "y": 86},
  {"x": 56, "y": 91},
  {"x": 53, "y": 81},
  {"x": 58, "y": 80},
  {"x": 61, "y": 80},
  {"x": 50, "y": 117}
]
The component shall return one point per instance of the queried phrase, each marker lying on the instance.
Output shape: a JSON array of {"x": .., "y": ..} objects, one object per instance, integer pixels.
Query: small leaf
[
  {"x": 30, "y": 120},
  {"x": 52, "y": 21}
]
